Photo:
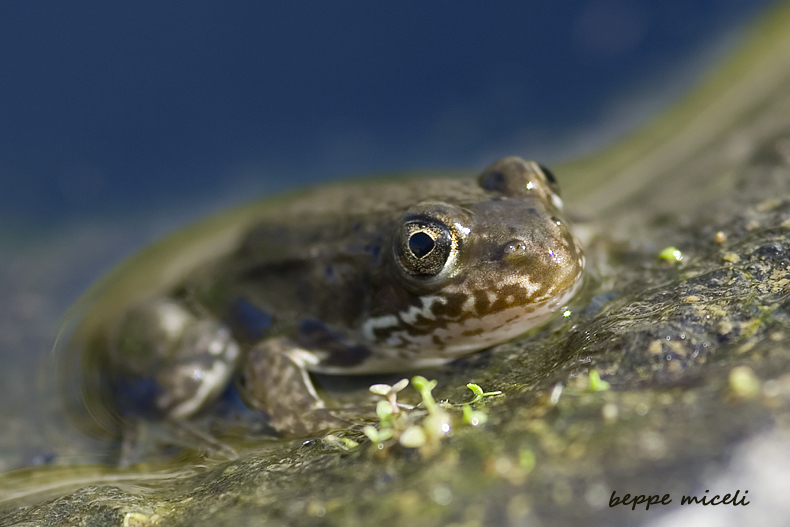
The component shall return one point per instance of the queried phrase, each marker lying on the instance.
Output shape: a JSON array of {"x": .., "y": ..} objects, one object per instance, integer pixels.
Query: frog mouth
[
  {"x": 402, "y": 350},
  {"x": 458, "y": 338},
  {"x": 423, "y": 331}
]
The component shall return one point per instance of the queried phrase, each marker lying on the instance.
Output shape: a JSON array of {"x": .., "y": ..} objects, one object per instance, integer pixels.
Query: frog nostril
[{"x": 514, "y": 250}]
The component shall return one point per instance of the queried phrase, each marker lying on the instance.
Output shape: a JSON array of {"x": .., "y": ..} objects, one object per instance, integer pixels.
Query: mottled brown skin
[{"x": 375, "y": 278}]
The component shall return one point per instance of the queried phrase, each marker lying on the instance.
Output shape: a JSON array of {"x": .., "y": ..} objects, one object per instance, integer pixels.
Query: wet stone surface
[{"x": 668, "y": 337}]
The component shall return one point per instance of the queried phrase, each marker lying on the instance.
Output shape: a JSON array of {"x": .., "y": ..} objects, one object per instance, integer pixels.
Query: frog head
[{"x": 465, "y": 274}]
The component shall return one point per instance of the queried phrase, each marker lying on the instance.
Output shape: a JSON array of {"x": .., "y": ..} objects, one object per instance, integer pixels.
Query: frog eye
[
  {"x": 424, "y": 247},
  {"x": 512, "y": 176}
]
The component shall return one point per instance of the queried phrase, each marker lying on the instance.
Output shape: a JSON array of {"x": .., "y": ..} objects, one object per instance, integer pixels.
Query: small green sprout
[
  {"x": 413, "y": 437},
  {"x": 424, "y": 387},
  {"x": 670, "y": 254},
  {"x": 433, "y": 427},
  {"x": 342, "y": 442},
  {"x": 349, "y": 443},
  {"x": 437, "y": 425},
  {"x": 473, "y": 417},
  {"x": 390, "y": 392},
  {"x": 596, "y": 384},
  {"x": 479, "y": 393},
  {"x": 384, "y": 412},
  {"x": 410, "y": 426},
  {"x": 377, "y": 436}
]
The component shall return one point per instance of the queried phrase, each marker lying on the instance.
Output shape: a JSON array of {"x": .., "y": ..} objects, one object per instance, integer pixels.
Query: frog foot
[{"x": 275, "y": 380}]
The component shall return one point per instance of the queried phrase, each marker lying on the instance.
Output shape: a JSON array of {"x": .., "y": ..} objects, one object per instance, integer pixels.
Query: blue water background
[{"x": 107, "y": 108}]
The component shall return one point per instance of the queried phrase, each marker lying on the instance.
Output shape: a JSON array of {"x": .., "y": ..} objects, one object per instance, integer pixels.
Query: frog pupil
[{"x": 420, "y": 244}]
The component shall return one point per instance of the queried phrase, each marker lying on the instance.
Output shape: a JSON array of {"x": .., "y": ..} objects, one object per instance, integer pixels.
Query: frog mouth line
[
  {"x": 457, "y": 323},
  {"x": 466, "y": 336},
  {"x": 455, "y": 339}
]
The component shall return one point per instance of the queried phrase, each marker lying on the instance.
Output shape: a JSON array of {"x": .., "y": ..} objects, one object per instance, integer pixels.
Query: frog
[{"x": 367, "y": 278}]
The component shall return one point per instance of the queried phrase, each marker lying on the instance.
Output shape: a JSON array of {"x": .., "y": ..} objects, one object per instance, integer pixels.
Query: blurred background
[{"x": 122, "y": 121}]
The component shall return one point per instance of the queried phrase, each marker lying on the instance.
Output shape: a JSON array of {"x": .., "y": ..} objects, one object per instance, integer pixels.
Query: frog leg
[
  {"x": 167, "y": 363},
  {"x": 274, "y": 379}
]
